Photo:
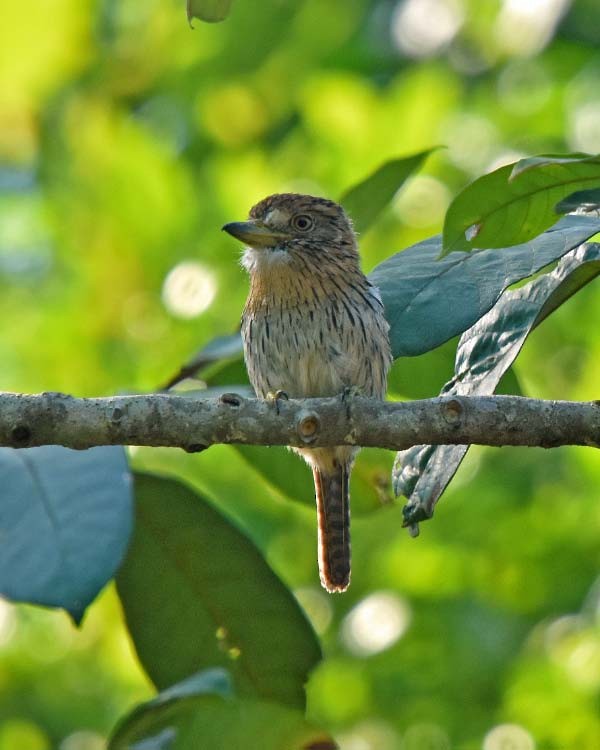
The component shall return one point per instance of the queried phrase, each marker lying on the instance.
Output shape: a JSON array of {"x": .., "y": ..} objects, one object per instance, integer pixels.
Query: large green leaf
[
  {"x": 517, "y": 202},
  {"x": 198, "y": 594},
  {"x": 365, "y": 201},
  {"x": 484, "y": 354},
  {"x": 208, "y": 10},
  {"x": 202, "y": 713},
  {"x": 427, "y": 301},
  {"x": 65, "y": 521}
]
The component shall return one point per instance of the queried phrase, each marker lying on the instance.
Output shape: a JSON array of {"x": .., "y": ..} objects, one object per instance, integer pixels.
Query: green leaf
[
  {"x": 366, "y": 200},
  {"x": 428, "y": 301},
  {"x": 588, "y": 200},
  {"x": 198, "y": 594},
  {"x": 65, "y": 521},
  {"x": 202, "y": 713},
  {"x": 484, "y": 354},
  {"x": 152, "y": 718},
  {"x": 515, "y": 203},
  {"x": 210, "y": 11},
  {"x": 252, "y": 724}
]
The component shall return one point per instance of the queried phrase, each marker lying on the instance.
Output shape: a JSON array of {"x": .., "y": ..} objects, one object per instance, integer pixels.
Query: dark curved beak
[{"x": 254, "y": 233}]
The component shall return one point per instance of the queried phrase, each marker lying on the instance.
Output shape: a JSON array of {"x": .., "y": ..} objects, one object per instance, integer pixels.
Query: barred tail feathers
[{"x": 333, "y": 518}]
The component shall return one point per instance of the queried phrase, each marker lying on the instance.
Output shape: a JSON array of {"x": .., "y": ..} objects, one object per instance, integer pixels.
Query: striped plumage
[{"x": 313, "y": 325}]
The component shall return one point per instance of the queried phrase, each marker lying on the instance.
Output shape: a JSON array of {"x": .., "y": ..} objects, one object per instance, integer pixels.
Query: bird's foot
[
  {"x": 349, "y": 393},
  {"x": 276, "y": 397}
]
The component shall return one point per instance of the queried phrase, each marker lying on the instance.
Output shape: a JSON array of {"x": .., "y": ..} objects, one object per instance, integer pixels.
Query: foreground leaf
[
  {"x": 427, "y": 301},
  {"x": 484, "y": 354},
  {"x": 65, "y": 520},
  {"x": 587, "y": 200},
  {"x": 515, "y": 203},
  {"x": 198, "y": 594},
  {"x": 210, "y": 11},
  {"x": 202, "y": 713},
  {"x": 365, "y": 201},
  {"x": 158, "y": 718}
]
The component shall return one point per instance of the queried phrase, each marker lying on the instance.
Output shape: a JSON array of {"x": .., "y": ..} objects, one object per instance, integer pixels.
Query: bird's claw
[
  {"x": 349, "y": 393},
  {"x": 276, "y": 397}
]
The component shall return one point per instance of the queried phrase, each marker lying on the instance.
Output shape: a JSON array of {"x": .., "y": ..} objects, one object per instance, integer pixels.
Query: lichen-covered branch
[{"x": 193, "y": 424}]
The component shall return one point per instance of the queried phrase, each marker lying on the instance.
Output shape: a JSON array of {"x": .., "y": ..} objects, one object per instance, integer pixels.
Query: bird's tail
[{"x": 333, "y": 518}]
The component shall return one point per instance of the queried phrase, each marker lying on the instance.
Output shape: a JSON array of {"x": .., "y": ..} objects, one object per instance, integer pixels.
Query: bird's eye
[{"x": 302, "y": 222}]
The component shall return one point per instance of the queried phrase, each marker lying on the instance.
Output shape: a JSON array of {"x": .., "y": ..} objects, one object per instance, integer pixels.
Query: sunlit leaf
[
  {"x": 366, "y": 200},
  {"x": 198, "y": 594},
  {"x": 202, "y": 713},
  {"x": 427, "y": 301},
  {"x": 484, "y": 354},
  {"x": 517, "y": 202},
  {"x": 208, "y": 10},
  {"x": 65, "y": 521}
]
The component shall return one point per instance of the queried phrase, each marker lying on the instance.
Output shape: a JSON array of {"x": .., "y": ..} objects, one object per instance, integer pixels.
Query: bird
[{"x": 313, "y": 326}]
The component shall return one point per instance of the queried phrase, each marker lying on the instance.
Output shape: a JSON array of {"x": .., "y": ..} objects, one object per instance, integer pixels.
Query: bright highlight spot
[
  {"x": 189, "y": 289},
  {"x": 526, "y": 26},
  {"x": 376, "y": 623},
  {"x": 8, "y": 622},
  {"x": 83, "y": 740},
  {"x": 508, "y": 737},
  {"x": 369, "y": 735},
  {"x": 585, "y": 128},
  {"x": 420, "y": 28},
  {"x": 583, "y": 663}
]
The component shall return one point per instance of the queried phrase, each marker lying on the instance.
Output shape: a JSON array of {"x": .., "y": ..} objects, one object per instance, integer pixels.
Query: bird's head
[{"x": 297, "y": 231}]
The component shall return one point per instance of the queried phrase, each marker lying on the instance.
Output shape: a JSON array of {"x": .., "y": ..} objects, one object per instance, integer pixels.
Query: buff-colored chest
[{"x": 315, "y": 340}]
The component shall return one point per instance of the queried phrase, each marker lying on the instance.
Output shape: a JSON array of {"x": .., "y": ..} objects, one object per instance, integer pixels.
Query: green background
[{"x": 126, "y": 141}]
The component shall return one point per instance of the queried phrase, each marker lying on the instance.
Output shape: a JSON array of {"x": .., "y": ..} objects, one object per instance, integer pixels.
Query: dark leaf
[
  {"x": 587, "y": 200},
  {"x": 366, "y": 200},
  {"x": 218, "y": 350},
  {"x": 484, "y": 354},
  {"x": 198, "y": 594},
  {"x": 427, "y": 301},
  {"x": 517, "y": 202},
  {"x": 208, "y": 10},
  {"x": 65, "y": 520}
]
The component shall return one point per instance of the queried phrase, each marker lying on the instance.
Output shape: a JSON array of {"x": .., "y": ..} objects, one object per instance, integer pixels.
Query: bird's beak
[{"x": 254, "y": 233}]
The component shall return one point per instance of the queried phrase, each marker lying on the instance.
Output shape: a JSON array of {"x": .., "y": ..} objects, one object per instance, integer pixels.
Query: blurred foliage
[{"x": 126, "y": 141}]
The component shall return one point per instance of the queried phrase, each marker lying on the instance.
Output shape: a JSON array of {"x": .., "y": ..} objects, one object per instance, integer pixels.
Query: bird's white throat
[{"x": 260, "y": 260}]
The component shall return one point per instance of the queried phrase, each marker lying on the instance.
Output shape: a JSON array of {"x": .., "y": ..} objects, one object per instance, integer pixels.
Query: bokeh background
[{"x": 126, "y": 140}]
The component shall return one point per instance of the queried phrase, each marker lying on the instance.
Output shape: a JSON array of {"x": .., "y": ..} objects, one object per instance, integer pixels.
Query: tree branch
[{"x": 194, "y": 424}]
